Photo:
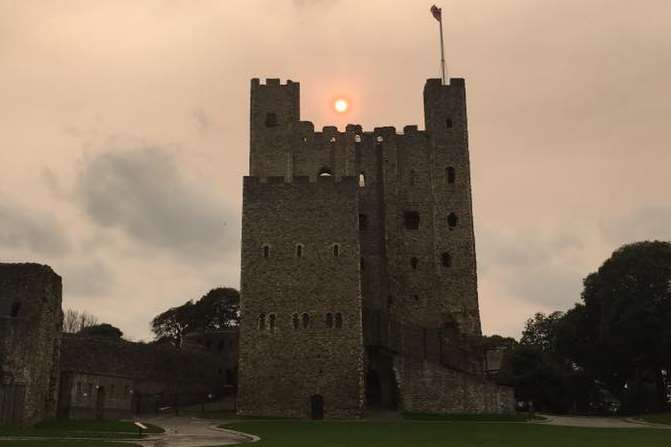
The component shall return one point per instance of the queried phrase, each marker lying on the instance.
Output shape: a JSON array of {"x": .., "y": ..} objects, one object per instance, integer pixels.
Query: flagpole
[{"x": 442, "y": 48}]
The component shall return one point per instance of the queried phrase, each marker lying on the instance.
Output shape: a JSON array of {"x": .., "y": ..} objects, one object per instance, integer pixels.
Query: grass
[
  {"x": 440, "y": 434},
  {"x": 657, "y": 418},
  {"x": 59, "y": 428},
  {"x": 466, "y": 417}
]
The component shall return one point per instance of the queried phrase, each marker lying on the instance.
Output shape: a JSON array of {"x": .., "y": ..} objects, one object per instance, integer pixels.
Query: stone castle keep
[{"x": 358, "y": 286}]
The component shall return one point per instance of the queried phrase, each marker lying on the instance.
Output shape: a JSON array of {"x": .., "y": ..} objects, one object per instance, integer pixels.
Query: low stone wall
[{"x": 427, "y": 387}]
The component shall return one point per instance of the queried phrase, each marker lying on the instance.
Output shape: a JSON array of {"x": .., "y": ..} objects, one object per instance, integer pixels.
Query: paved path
[
  {"x": 598, "y": 422},
  {"x": 192, "y": 432}
]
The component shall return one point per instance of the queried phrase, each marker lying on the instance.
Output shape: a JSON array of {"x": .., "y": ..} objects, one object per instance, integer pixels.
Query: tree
[
  {"x": 74, "y": 321},
  {"x": 216, "y": 310},
  {"x": 102, "y": 330},
  {"x": 627, "y": 316}
]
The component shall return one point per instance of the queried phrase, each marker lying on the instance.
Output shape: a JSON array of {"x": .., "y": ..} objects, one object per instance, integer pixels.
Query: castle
[{"x": 358, "y": 275}]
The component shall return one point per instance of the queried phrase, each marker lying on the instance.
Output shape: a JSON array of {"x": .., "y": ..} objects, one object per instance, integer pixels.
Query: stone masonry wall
[
  {"x": 31, "y": 320},
  {"x": 300, "y": 330},
  {"x": 427, "y": 387}
]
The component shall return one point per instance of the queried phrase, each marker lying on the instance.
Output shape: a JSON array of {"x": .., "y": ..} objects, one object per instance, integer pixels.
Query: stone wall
[
  {"x": 30, "y": 334},
  {"x": 427, "y": 387},
  {"x": 300, "y": 330}
]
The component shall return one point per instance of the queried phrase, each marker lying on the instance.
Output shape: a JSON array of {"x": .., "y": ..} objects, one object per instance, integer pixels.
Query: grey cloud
[
  {"x": 647, "y": 223},
  {"x": 36, "y": 231},
  {"x": 202, "y": 120},
  {"x": 143, "y": 193},
  {"x": 89, "y": 280}
]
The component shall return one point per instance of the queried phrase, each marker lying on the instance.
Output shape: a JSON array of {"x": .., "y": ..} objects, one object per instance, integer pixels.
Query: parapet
[{"x": 273, "y": 82}]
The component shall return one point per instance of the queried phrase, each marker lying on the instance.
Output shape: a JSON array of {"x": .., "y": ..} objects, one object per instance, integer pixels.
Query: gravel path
[
  {"x": 192, "y": 432},
  {"x": 598, "y": 422}
]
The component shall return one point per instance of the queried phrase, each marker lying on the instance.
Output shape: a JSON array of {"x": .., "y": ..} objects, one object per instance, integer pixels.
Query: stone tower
[{"x": 358, "y": 284}]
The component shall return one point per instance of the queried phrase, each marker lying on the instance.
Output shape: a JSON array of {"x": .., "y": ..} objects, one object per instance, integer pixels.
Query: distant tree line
[{"x": 612, "y": 351}]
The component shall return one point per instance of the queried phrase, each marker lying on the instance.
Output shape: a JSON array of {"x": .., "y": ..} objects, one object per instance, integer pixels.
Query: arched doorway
[
  {"x": 317, "y": 407},
  {"x": 373, "y": 389}
]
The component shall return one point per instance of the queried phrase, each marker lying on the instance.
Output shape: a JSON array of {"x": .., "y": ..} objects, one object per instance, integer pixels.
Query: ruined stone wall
[
  {"x": 31, "y": 319},
  {"x": 427, "y": 387},
  {"x": 300, "y": 330},
  {"x": 90, "y": 396}
]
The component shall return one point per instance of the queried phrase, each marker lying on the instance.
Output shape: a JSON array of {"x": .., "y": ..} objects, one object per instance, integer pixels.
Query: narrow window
[
  {"x": 332, "y": 140},
  {"x": 299, "y": 251},
  {"x": 294, "y": 318},
  {"x": 413, "y": 263},
  {"x": 411, "y": 220},
  {"x": 306, "y": 320},
  {"x": 16, "y": 308},
  {"x": 305, "y": 140},
  {"x": 412, "y": 177},
  {"x": 329, "y": 320},
  {"x": 271, "y": 119},
  {"x": 448, "y": 123},
  {"x": 362, "y": 264},
  {"x": 325, "y": 172},
  {"x": 271, "y": 322},
  {"x": 446, "y": 259},
  {"x": 262, "y": 322},
  {"x": 336, "y": 250},
  {"x": 379, "y": 139},
  {"x": 452, "y": 220},
  {"x": 363, "y": 222},
  {"x": 451, "y": 174},
  {"x": 416, "y": 297},
  {"x": 338, "y": 320},
  {"x": 362, "y": 180},
  {"x": 357, "y": 138},
  {"x": 266, "y": 251}
]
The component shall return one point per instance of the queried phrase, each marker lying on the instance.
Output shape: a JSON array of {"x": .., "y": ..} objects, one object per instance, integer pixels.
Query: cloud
[
  {"x": 143, "y": 193},
  {"x": 32, "y": 230},
  {"x": 647, "y": 223},
  {"x": 89, "y": 279},
  {"x": 202, "y": 120}
]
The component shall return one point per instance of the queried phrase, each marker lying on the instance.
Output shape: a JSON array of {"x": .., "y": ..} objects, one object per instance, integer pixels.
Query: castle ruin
[{"x": 358, "y": 275}]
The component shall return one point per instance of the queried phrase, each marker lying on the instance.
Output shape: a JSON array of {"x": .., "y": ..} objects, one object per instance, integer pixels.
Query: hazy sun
[{"x": 341, "y": 105}]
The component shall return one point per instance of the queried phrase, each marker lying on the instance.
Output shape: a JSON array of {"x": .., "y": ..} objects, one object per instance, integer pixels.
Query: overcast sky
[{"x": 124, "y": 133}]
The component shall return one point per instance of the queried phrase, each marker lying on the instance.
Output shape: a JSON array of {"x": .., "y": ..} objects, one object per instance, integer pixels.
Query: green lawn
[
  {"x": 78, "y": 429},
  {"x": 447, "y": 434},
  {"x": 658, "y": 418}
]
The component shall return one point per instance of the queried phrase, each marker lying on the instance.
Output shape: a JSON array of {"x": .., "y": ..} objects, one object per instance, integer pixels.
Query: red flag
[{"x": 437, "y": 12}]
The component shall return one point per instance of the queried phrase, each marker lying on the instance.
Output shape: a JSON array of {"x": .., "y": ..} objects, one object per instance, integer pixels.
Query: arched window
[
  {"x": 448, "y": 123},
  {"x": 16, "y": 309},
  {"x": 446, "y": 259},
  {"x": 325, "y": 171},
  {"x": 271, "y": 120},
  {"x": 262, "y": 322},
  {"x": 266, "y": 251},
  {"x": 336, "y": 250},
  {"x": 306, "y": 320},
  {"x": 329, "y": 320},
  {"x": 332, "y": 140},
  {"x": 299, "y": 250},
  {"x": 295, "y": 321},
  {"x": 357, "y": 138},
  {"x": 338, "y": 320},
  {"x": 452, "y": 220},
  {"x": 362, "y": 180},
  {"x": 271, "y": 321},
  {"x": 379, "y": 139},
  {"x": 413, "y": 263},
  {"x": 451, "y": 174}
]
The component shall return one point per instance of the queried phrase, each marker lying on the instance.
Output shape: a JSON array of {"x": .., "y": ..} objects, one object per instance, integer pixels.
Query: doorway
[
  {"x": 100, "y": 403},
  {"x": 317, "y": 407}
]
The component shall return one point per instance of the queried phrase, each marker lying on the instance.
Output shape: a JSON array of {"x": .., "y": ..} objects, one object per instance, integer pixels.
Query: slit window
[
  {"x": 413, "y": 263},
  {"x": 362, "y": 264},
  {"x": 448, "y": 123},
  {"x": 446, "y": 259},
  {"x": 363, "y": 222},
  {"x": 412, "y": 177},
  {"x": 271, "y": 322},
  {"x": 452, "y": 220},
  {"x": 299, "y": 250},
  {"x": 336, "y": 250},
  {"x": 266, "y": 251},
  {"x": 271, "y": 120},
  {"x": 16, "y": 309},
  {"x": 262, "y": 322},
  {"x": 451, "y": 174},
  {"x": 362, "y": 180},
  {"x": 295, "y": 321},
  {"x": 306, "y": 320},
  {"x": 411, "y": 220},
  {"x": 338, "y": 320}
]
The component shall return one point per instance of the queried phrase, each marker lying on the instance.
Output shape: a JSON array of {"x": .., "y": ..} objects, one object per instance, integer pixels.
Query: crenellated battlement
[{"x": 273, "y": 82}]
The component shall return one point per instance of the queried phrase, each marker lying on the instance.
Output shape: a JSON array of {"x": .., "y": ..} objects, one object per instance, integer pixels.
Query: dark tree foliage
[
  {"x": 102, "y": 330},
  {"x": 218, "y": 309}
]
